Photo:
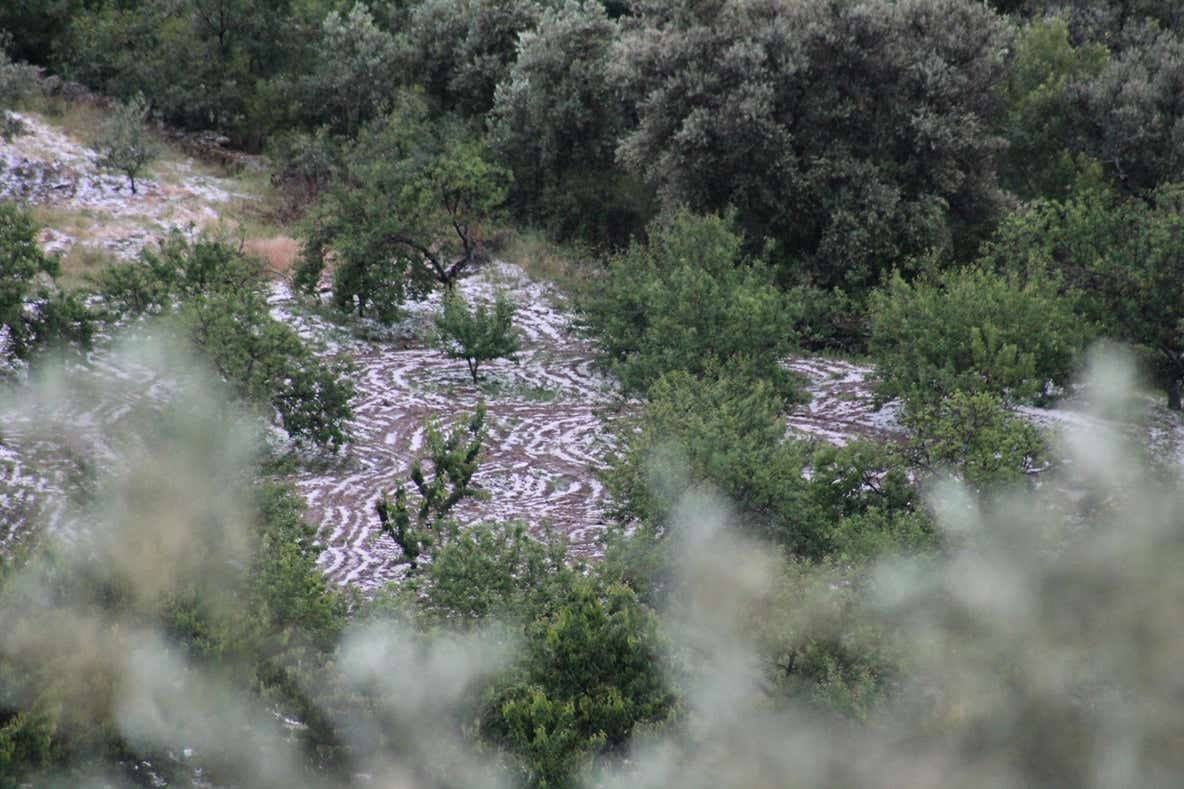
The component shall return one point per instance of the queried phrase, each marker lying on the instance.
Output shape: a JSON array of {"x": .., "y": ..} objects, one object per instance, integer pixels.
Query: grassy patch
[
  {"x": 80, "y": 263},
  {"x": 542, "y": 259}
]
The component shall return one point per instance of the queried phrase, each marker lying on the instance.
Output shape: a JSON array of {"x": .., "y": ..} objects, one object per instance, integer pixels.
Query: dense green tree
[
  {"x": 556, "y": 121},
  {"x": 459, "y": 50},
  {"x": 407, "y": 209},
  {"x": 592, "y": 673},
  {"x": 1118, "y": 259},
  {"x": 688, "y": 298},
  {"x": 1043, "y": 158},
  {"x": 855, "y": 134},
  {"x": 33, "y": 311},
  {"x": 973, "y": 330},
  {"x": 355, "y": 71},
  {"x": 217, "y": 296},
  {"x": 973, "y": 436},
  {"x": 478, "y": 334}
]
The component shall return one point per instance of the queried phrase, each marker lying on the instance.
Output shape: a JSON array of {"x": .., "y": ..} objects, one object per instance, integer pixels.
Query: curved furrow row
[{"x": 546, "y": 430}]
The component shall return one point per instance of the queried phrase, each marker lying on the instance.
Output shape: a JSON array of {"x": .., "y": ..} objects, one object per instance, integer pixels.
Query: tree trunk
[
  {"x": 132, "y": 179},
  {"x": 1175, "y": 386}
]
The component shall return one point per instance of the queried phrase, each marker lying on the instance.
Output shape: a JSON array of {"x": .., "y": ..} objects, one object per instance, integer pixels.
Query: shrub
[
  {"x": 972, "y": 330},
  {"x": 974, "y": 437},
  {"x": 728, "y": 432},
  {"x": 33, "y": 311},
  {"x": 688, "y": 299},
  {"x": 217, "y": 296},
  {"x": 478, "y": 334}
]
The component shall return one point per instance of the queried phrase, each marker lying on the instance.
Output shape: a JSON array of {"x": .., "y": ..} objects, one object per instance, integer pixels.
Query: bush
[
  {"x": 728, "y": 432},
  {"x": 974, "y": 437},
  {"x": 592, "y": 673},
  {"x": 217, "y": 296},
  {"x": 972, "y": 330},
  {"x": 688, "y": 299},
  {"x": 33, "y": 311},
  {"x": 479, "y": 334},
  {"x": 1117, "y": 260}
]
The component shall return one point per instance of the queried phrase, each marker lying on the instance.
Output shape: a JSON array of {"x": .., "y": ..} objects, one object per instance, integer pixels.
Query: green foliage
[
  {"x": 123, "y": 143},
  {"x": 865, "y": 504},
  {"x": 973, "y": 436},
  {"x": 354, "y": 73},
  {"x": 688, "y": 299},
  {"x": 593, "y": 672},
  {"x": 453, "y": 461},
  {"x": 1118, "y": 260},
  {"x": 556, "y": 121},
  {"x": 479, "y": 334},
  {"x": 33, "y": 312},
  {"x": 217, "y": 297},
  {"x": 819, "y": 643},
  {"x": 407, "y": 209},
  {"x": 497, "y": 571},
  {"x": 854, "y": 134},
  {"x": 459, "y": 50},
  {"x": 1042, "y": 117},
  {"x": 202, "y": 63},
  {"x": 972, "y": 330},
  {"x": 727, "y": 431}
]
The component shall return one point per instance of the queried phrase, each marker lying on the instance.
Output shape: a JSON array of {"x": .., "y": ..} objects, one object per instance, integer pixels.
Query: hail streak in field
[{"x": 547, "y": 413}]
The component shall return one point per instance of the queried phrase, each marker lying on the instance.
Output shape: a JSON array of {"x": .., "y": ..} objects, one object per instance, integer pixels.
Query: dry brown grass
[
  {"x": 278, "y": 252},
  {"x": 79, "y": 264}
]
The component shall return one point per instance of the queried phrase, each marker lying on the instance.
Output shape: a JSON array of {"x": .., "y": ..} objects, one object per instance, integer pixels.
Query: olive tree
[
  {"x": 123, "y": 142},
  {"x": 854, "y": 134},
  {"x": 556, "y": 122}
]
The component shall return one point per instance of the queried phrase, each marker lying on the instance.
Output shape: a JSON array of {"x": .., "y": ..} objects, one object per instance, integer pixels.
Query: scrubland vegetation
[{"x": 980, "y": 201}]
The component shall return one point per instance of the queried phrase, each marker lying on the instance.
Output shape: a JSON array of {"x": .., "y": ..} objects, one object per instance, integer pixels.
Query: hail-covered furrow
[{"x": 546, "y": 426}]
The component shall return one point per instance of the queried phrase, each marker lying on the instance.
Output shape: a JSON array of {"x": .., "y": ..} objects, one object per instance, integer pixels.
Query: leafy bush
[
  {"x": 33, "y": 312},
  {"x": 479, "y": 334},
  {"x": 494, "y": 571},
  {"x": 592, "y": 673},
  {"x": 728, "y": 432},
  {"x": 972, "y": 330},
  {"x": 688, "y": 299},
  {"x": 217, "y": 296},
  {"x": 976, "y": 438},
  {"x": 1118, "y": 260}
]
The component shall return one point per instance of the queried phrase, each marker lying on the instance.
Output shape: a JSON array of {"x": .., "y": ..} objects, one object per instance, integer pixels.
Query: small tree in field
[
  {"x": 123, "y": 143},
  {"x": 479, "y": 334},
  {"x": 453, "y": 463}
]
